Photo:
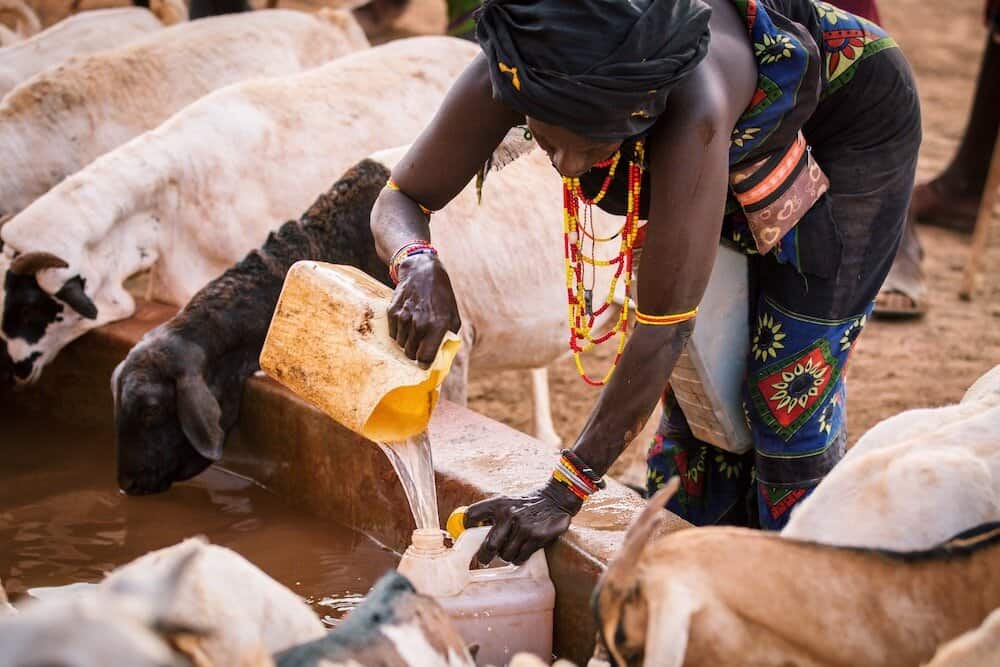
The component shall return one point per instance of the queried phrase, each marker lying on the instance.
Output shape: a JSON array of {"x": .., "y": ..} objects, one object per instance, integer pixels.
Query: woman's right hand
[{"x": 423, "y": 307}]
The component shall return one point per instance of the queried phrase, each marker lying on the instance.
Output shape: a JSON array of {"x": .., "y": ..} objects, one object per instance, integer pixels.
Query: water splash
[{"x": 411, "y": 459}]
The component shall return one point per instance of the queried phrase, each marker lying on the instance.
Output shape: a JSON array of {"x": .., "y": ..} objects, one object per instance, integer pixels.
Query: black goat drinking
[{"x": 177, "y": 393}]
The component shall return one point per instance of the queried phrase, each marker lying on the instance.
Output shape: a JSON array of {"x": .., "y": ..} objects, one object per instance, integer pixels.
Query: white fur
[
  {"x": 913, "y": 480},
  {"x": 61, "y": 119},
  {"x": 78, "y": 35},
  {"x": 243, "y": 608},
  {"x": 413, "y": 646},
  {"x": 975, "y": 648},
  {"x": 84, "y": 631},
  {"x": 193, "y": 196},
  {"x": 6, "y": 609},
  {"x": 213, "y": 606}
]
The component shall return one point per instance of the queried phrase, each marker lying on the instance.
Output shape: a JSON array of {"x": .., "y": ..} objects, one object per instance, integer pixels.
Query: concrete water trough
[{"x": 314, "y": 464}]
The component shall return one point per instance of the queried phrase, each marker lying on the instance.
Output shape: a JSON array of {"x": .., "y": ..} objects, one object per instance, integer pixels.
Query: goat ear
[
  {"x": 620, "y": 577},
  {"x": 199, "y": 415},
  {"x": 182, "y": 635},
  {"x": 72, "y": 294}
]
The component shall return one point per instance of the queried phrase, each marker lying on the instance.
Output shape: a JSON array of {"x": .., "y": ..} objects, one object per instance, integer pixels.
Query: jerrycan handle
[{"x": 468, "y": 543}]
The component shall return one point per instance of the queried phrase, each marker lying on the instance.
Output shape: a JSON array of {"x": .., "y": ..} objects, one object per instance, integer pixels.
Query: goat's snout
[{"x": 140, "y": 483}]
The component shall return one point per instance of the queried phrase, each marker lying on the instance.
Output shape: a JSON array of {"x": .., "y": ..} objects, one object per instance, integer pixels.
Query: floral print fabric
[{"x": 794, "y": 401}]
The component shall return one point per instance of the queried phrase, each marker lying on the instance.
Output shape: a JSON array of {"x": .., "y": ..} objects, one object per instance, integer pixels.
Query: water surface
[{"x": 63, "y": 520}]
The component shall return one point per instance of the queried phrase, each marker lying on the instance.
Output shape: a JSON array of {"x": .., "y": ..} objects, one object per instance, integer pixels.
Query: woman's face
[{"x": 571, "y": 154}]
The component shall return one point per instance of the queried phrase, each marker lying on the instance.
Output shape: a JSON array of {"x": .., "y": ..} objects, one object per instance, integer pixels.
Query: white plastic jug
[{"x": 505, "y": 610}]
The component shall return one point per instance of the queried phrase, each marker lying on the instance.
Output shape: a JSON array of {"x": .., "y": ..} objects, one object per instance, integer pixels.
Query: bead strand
[{"x": 581, "y": 314}]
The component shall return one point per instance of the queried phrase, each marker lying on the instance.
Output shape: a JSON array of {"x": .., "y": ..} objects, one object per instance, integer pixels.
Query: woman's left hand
[{"x": 524, "y": 524}]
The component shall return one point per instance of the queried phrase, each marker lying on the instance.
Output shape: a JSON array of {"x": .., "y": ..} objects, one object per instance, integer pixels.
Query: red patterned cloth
[{"x": 866, "y": 9}]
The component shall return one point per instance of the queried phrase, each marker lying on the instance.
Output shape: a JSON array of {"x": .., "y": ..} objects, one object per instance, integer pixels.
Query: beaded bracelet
[
  {"x": 664, "y": 320},
  {"x": 408, "y": 250},
  {"x": 579, "y": 479},
  {"x": 392, "y": 185},
  {"x": 584, "y": 468}
]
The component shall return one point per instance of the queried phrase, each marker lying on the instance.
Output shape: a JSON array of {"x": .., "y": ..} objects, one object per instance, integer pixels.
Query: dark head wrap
[{"x": 600, "y": 68}]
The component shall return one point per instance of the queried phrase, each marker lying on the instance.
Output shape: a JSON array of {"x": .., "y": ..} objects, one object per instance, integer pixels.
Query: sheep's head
[
  {"x": 46, "y": 306},
  {"x": 620, "y": 609},
  {"x": 167, "y": 420}
]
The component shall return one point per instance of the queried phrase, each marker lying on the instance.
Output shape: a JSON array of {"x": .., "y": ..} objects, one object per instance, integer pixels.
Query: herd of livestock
[{"x": 213, "y": 154}]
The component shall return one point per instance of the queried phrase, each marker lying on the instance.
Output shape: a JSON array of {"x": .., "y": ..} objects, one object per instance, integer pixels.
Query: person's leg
[
  {"x": 952, "y": 198},
  {"x": 814, "y": 296},
  {"x": 902, "y": 293},
  {"x": 714, "y": 482},
  {"x": 795, "y": 398}
]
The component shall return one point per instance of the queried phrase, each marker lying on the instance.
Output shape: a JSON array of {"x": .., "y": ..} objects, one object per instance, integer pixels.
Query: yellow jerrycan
[{"x": 329, "y": 343}]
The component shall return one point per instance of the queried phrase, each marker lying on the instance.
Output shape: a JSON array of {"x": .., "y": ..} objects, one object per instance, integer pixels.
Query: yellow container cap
[{"x": 456, "y": 522}]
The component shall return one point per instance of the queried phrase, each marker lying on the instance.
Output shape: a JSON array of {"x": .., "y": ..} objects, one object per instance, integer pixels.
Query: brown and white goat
[{"x": 732, "y": 596}]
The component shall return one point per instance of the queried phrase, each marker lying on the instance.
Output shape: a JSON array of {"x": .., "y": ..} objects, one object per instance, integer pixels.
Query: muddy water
[{"x": 62, "y": 520}]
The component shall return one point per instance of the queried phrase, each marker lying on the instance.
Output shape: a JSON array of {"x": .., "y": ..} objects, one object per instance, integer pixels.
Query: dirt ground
[{"x": 898, "y": 365}]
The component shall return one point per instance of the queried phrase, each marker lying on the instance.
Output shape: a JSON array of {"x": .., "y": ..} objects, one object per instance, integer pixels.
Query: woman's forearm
[
  {"x": 631, "y": 393},
  {"x": 396, "y": 220}
]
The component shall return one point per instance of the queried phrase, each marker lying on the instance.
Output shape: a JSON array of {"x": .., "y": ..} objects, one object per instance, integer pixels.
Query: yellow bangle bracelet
[
  {"x": 392, "y": 185},
  {"x": 663, "y": 320}
]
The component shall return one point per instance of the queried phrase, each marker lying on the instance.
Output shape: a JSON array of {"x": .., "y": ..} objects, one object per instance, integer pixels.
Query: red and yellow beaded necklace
[{"x": 582, "y": 314}]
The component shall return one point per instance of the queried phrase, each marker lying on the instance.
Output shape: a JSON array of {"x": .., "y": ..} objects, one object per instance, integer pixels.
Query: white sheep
[
  {"x": 61, "y": 119},
  {"x": 244, "y": 611},
  {"x": 78, "y": 35},
  {"x": 193, "y": 196},
  {"x": 90, "y": 631},
  {"x": 913, "y": 480},
  {"x": 193, "y": 600}
]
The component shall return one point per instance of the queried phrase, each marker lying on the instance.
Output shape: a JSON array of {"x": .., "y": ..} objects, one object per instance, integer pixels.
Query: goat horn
[{"x": 30, "y": 263}]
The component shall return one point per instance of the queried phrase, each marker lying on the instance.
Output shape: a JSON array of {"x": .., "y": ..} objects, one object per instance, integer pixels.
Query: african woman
[{"x": 787, "y": 128}]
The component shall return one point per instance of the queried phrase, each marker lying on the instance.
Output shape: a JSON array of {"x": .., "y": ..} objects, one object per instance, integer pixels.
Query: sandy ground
[{"x": 898, "y": 365}]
